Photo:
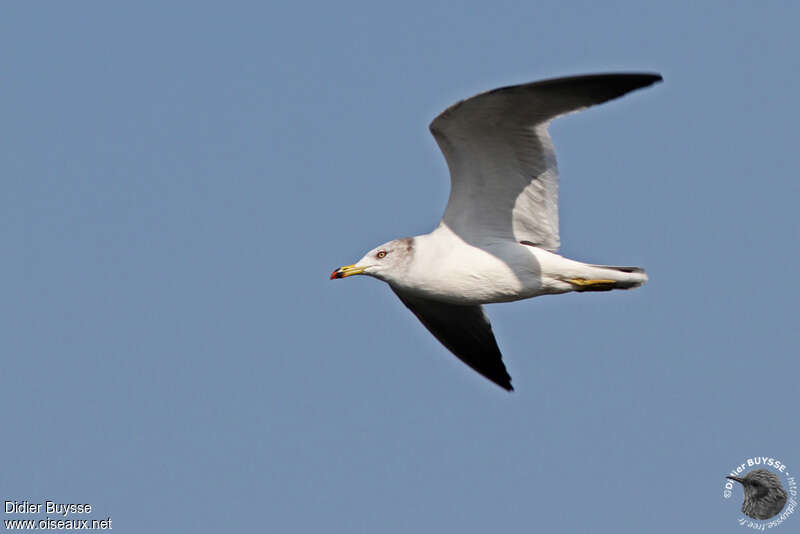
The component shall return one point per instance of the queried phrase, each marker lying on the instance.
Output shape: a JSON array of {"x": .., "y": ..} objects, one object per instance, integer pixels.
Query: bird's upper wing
[
  {"x": 465, "y": 331},
  {"x": 503, "y": 175}
]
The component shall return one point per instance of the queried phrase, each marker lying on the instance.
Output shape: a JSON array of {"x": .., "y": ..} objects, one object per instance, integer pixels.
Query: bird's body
[
  {"x": 502, "y": 271},
  {"x": 498, "y": 237}
]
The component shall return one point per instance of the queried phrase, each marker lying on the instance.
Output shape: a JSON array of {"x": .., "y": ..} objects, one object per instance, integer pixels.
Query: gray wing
[
  {"x": 503, "y": 175},
  {"x": 465, "y": 331}
]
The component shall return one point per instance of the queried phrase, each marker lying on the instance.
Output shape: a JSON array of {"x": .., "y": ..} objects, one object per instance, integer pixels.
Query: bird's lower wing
[{"x": 465, "y": 331}]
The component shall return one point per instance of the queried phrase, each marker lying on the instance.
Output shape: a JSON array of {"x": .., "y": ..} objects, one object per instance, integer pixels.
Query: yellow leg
[{"x": 584, "y": 282}]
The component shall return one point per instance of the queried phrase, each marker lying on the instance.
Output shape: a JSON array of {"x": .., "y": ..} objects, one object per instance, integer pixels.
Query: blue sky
[{"x": 179, "y": 179}]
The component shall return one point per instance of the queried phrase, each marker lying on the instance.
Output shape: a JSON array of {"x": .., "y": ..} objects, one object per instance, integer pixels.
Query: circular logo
[{"x": 769, "y": 492}]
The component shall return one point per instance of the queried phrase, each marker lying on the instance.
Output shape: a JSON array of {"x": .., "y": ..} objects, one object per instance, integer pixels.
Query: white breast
[{"x": 447, "y": 268}]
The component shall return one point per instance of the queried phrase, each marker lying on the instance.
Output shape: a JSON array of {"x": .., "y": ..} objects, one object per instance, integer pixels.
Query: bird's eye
[{"x": 381, "y": 254}]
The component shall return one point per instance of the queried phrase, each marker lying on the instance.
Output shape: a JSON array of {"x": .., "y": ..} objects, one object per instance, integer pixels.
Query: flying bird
[
  {"x": 498, "y": 238},
  {"x": 764, "y": 497}
]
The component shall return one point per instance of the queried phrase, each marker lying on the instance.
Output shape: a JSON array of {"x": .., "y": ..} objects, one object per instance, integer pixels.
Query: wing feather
[
  {"x": 465, "y": 331},
  {"x": 503, "y": 174}
]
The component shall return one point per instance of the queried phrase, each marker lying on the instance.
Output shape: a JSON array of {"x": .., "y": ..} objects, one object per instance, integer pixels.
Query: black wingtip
[
  {"x": 592, "y": 89},
  {"x": 606, "y": 86},
  {"x": 502, "y": 381},
  {"x": 649, "y": 78},
  {"x": 496, "y": 372}
]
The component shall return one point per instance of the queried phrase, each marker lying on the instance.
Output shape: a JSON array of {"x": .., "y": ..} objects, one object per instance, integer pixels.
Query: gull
[{"x": 498, "y": 238}]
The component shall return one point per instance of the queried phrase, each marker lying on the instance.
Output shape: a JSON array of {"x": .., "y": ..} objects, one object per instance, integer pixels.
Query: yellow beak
[{"x": 347, "y": 270}]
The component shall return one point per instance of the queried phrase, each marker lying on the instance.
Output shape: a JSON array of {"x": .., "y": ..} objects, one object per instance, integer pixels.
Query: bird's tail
[{"x": 608, "y": 277}]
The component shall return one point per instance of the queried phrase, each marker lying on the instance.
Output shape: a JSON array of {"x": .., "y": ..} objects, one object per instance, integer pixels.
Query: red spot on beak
[{"x": 336, "y": 274}]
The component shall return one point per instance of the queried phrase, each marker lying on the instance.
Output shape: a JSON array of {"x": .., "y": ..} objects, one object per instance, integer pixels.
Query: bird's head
[
  {"x": 757, "y": 483},
  {"x": 383, "y": 262}
]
